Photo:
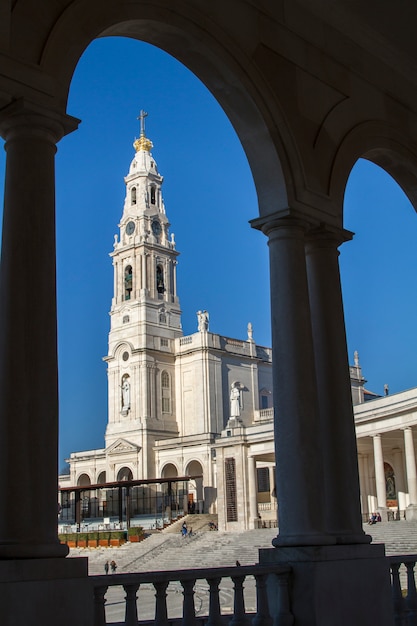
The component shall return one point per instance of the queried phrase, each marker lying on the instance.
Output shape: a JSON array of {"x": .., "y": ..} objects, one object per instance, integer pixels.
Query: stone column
[
  {"x": 28, "y": 336},
  {"x": 337, "y": 430},
  {"x": 362, "y": 461},
  {"x": 381, "y": 490},
  {"x": 253, "y": 492},
  {"x": 298, "y": 447},
  {"x": 272, "y": 487},
  {"x": 410, "y": 464}
]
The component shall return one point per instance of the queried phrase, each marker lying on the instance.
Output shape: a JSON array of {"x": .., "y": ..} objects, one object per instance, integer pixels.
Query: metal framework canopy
[{"x": 150, "y": 503}]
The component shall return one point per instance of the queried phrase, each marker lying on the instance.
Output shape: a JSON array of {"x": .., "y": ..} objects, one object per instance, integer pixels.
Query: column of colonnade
[
  {"x": 28, "y": 334},
  {"x": 314, "y": 427},
  {"x": 381, "y": 491},
  {"x": 253, "y": 492}
]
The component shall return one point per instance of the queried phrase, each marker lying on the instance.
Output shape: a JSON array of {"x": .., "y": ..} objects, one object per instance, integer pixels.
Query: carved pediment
[{"x": 121, "y": 446}]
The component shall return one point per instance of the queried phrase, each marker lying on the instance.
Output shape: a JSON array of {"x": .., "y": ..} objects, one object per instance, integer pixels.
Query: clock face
[
  {"x": 156, "y": 228},
  {"x": 130, "y": 228}
]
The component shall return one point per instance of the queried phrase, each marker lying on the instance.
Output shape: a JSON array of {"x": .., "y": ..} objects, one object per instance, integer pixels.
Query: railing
[
  {"x": 275, "y": 577},
  {"x": 404, "y": 595}
]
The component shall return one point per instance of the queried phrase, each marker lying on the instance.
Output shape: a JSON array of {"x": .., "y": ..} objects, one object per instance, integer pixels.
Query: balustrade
[
  {"x": 277, "y": 576},
  {"x": 403, "y": 584}
]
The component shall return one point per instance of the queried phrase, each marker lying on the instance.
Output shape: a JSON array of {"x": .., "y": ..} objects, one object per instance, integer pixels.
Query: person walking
[
  {"x": 113, "y": 567},
  {"x": 106, "y": 567}
]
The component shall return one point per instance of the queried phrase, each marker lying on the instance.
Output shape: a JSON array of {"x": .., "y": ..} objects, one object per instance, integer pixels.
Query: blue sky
[{"x": 209, "y": 196}]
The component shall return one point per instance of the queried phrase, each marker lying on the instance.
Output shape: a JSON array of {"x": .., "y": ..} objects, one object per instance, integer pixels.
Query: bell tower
[{"x": 145, "y": 315}]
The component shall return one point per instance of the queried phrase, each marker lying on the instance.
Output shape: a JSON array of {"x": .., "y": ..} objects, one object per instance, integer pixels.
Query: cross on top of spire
[
  {"x": 141, "y": 117},
  {"x": 142, "y": 143}
]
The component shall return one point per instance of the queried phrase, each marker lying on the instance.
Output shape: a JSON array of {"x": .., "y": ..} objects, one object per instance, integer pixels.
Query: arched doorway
[{"x": 195, "y": 487}]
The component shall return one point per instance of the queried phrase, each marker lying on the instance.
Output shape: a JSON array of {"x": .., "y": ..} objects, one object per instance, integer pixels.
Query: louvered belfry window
[{"x": 231, "y": 501}]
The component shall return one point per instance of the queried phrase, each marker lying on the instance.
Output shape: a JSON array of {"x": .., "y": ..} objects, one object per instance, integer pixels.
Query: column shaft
[
  {"x": 299, "y": 472},
  {"x": 28, "y": 343},
  {"x": 253, "y": 495},
  {"x": 337, "y": 430},
  {"x": 410, "y": 463},
  {"x": 381, "y": 490}
]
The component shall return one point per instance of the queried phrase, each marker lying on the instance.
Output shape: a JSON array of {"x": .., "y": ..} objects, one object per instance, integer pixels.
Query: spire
[{"x": 143, "y": 143}]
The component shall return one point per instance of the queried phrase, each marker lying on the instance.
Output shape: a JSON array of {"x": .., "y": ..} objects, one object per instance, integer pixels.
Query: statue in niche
[
  {"x": 235, "y": 404},
  {"x": 203, "y": 320},
  {"x": 125, "y": 395}
]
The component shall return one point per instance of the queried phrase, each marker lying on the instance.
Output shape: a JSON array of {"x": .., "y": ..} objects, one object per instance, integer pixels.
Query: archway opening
[{"x": 184, "y": 146}]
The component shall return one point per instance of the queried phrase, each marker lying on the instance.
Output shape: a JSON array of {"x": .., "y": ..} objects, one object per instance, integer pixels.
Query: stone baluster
[
  {"x": 28, "y": 392},
  {"x": 397, "y": 596},
  {"x": 161, "y": 612},
  {"x": 283, "y": 617},
  {"x": 262, "y": 617},
  {"x": 188, "y": 609},
  {"x": 99, "y": 606},
  {"x": 215, "y": 618},
  {"x": 239, "y": 617},
  {"x": 337, "y": 429},
  {"x": 411, "y": 599},
  {"x": 131, "y": 611}
]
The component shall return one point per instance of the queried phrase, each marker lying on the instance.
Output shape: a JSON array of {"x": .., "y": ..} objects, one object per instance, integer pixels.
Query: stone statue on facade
[
  {"x": 203, "y": 320},
  {"x": 235, "y": 400},
  {"x": 125, "y": 395}
]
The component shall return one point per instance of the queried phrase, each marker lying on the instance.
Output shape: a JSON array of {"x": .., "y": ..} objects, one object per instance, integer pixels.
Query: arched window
[
  {"x": 160, "y": 286},
  {"x": 153, "y": 194},
  {"x": 133, "y": 195},
  {"x": 128, "y": 281},
  {"x": 166, "y": 392},
  {"x": 125, "y": 473}
]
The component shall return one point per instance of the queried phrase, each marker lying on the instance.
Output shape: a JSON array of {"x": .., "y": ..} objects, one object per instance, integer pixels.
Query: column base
[
  {"x": 46, "y": 591},
  {"x": 411, "y": 513},
  {"x": 330, "y": 585},
  {"x": 303, "y": 540},
  {"x": 33, "y": 551}
]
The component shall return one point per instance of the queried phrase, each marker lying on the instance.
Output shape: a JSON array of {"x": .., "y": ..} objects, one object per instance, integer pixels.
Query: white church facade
[{"x": 201, "y": 405}]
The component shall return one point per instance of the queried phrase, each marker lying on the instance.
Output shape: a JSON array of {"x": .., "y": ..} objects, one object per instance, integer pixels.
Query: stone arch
[
  {"x": 169, "y": 470},
  {"x": 124, "y": 473},
  {"x": 243, "y": 94},
  {"x": 101, "y": 478},
  {"x": 83, "y": 480},
  {"x": 385, "y": 147},
  {"x": 195, "y": 486}
]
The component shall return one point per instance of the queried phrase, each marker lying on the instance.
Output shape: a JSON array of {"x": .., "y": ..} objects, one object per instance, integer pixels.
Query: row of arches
[
  {"x": 124, "y": 473},
  {"x": 152, "y": 195},
  {"x": 128, "y": 281},
  {"x": 169, "y": 470}
]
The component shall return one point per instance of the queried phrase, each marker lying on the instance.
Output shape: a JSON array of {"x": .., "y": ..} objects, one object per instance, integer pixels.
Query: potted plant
[
  {"x": 92, "y": 539},
  {"x": 117, "y": 537},
  {"x": 103, "y": 538},
  {"x": 135, "y": 534},
  {"x": 81, "y": 540}
]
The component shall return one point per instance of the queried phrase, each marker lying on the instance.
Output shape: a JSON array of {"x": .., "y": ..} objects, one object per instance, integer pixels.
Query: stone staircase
[
  {"x": 399, "y": 537},
  {"x": 168, "y": 550}
]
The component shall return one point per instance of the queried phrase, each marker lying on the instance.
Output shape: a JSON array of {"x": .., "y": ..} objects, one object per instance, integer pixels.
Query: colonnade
[{"x": 407, "y": 483}]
